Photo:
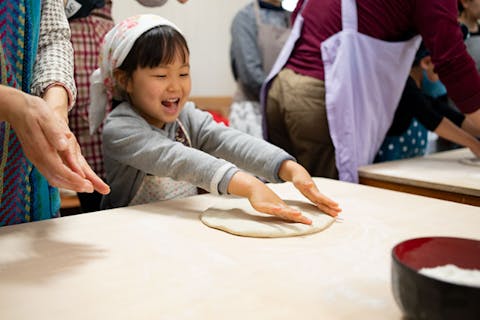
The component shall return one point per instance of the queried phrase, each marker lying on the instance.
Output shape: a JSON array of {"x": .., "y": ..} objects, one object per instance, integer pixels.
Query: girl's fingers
[
  {"x": 329, "y": 210},
  {"x": 286, "y": 213},
  {"x": 310, "y": 191}
]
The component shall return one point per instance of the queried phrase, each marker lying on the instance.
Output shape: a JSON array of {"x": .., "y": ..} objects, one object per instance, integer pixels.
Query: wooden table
[
  {"x": 439, "y": 175},
  {"x": 158, "y": 261}
]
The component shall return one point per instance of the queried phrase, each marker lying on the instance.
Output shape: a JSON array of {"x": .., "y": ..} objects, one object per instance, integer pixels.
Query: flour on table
[
  {"x": 237, "y": 216},
  {"x": 471, "y": 161}
]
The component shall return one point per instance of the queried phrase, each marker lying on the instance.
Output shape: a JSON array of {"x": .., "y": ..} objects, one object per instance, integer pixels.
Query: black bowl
[{"x": 423, "y": 297}]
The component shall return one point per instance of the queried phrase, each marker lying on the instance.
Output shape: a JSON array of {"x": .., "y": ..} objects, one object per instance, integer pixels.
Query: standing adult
[
  {"x": 37, "y": 88},
  {"x": 258, "y": 31},
  {"x": 89, "y": 21},
  {"x": 340, "y": 76}
]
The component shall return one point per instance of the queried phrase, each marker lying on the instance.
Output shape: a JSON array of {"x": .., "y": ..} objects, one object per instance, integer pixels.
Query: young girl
[{"x": 158, "y": 146}]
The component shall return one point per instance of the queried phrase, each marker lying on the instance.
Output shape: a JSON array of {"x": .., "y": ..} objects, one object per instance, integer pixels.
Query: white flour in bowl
[{"x": 453, "y": 274}]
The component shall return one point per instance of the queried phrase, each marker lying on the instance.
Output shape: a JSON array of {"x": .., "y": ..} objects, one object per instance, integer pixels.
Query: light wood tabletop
[
  {"x": 440, "y": 175},
  {"x": 158, "y": 261}
]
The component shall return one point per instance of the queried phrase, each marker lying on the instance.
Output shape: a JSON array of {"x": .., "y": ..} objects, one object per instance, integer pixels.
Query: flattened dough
[
  {"x": 236, "y": 216},
  {"x": 471, "y": 161}
]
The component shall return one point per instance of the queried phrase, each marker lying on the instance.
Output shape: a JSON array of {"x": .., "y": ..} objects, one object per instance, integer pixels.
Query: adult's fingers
[
  {"x": 47, "y": 160},
  {"x": 64, "y": 177},
  {"x": 54, "y": 128},
  {"x": 98, "y": 184},
  {"x": 74, "y": 159},
  {"x": 58, "y": 174}
]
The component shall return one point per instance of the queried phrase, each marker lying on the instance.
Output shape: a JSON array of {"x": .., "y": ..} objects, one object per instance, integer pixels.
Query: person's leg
[
  {"x": 276, "y": 128},
  {"x": 89, "y": 202},
  {"x": 297, "y": 122}
]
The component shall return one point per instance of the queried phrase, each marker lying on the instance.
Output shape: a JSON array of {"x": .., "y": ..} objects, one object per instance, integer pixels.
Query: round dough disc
[
  {"x": 471, "y": 161},
  {"x": 236, "y": 216}
]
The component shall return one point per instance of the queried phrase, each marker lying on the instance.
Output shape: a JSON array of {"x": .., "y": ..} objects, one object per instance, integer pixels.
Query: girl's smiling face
[{"x": 159, "y": 93}]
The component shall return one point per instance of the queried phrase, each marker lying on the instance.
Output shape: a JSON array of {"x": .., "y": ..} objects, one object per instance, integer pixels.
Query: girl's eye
[
  {"x": 160, "y": 76},
  {"x": 184, "y": 75}
]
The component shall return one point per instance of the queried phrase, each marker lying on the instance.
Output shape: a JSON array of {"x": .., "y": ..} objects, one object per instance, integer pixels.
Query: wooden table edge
[{"x": 420, "y": 190}]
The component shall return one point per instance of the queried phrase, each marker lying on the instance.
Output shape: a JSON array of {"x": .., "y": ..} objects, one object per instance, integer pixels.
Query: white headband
[{"x": 116, "y": 45}]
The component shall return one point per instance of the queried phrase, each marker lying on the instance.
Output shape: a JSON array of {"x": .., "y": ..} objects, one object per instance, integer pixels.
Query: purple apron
[{"x": 364, "y": 80}]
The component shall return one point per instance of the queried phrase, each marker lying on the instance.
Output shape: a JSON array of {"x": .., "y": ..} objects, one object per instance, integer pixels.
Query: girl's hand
[
  {"x": 301, "y": 179},
  {"x": 262, "y": 198}
]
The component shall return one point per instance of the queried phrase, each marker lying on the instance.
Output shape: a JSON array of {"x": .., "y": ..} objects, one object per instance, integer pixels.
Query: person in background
[
  {"x": 89, "y": 21},
  {"x": 39, "y": 152},
  {"x": 469, "y": 14},
  {"x": 418, "y": 112},
  {"x": 158, "y": 146},
  {"x": 258, "y": 31},
  {"x": 333, "y": 92}
]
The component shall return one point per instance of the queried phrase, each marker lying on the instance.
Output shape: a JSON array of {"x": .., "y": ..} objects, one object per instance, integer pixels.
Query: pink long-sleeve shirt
[{"x": 395, "y": 20}]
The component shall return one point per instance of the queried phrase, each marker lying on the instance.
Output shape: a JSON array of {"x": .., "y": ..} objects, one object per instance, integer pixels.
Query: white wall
[{"x": 206, "y": 26}]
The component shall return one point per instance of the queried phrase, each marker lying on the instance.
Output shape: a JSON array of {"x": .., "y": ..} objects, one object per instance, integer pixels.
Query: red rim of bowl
[{"x": 444, "y": 250}]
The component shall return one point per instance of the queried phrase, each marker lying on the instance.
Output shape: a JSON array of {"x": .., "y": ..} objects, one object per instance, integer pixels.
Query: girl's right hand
[{"x": 262, "y": 198}]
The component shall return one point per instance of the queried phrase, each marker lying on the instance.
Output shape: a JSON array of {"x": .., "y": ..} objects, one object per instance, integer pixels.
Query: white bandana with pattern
[{"x": 116, "y": 45}]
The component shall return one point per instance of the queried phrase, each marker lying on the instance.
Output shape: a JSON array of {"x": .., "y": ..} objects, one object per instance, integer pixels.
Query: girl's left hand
[
  {"x": 301, "y": 179},
  {"x": 262, "y": 198}
]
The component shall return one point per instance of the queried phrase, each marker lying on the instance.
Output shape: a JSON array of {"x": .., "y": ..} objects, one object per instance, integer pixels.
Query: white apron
[
  {"x": 364, "y": 80},
  {"x": 155, "y": 188}
]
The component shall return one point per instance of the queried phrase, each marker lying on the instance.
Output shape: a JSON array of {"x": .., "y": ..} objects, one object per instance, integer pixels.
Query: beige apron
[
  {"x": 270, "y": 39},
  {"x": 245, "y": 114}
]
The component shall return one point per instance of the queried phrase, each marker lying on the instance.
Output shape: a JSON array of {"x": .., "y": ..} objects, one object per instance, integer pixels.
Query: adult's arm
[
  {"x": 448, "y": 130},
  {"x": 42, "y": 126},
  {"x": 245, "y": 53},
  {"x": 54, "y": 61},
  {"x": 36, "y": 127},
  {"x": 437, "y": 23}
]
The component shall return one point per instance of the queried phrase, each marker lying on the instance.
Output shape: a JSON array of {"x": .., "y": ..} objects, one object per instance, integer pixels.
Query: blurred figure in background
[
  {"x": 419, "y": 112},
  {"x": 332, "y": 94},
  {"x": 259, "y": 31},
  {"x": 469, "y": 13}
]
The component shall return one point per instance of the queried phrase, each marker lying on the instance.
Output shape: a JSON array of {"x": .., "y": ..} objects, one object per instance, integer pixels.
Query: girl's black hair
[
  {"x": 460, "y": 6},
  {"x": 159, "y": 45}
]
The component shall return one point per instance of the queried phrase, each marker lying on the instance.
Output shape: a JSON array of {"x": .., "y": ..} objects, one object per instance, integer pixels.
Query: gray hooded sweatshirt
[{"x": 133, "y": 148}]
